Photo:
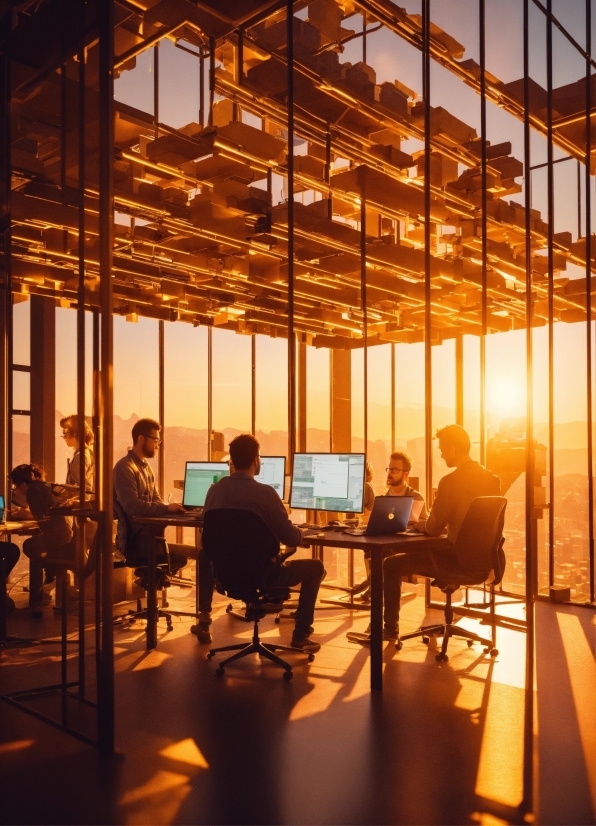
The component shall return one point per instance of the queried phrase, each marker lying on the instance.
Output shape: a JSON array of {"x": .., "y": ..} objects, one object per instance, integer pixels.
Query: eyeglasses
[
  {"x": 156, "y": 439},
  {"x": 394, "y": 470}
]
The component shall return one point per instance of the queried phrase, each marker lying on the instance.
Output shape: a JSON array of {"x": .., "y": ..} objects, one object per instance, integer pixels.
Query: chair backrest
[
  {"x": 241, "y": 547},
  {"x": 480, "y": 535},
  {"x": 57, "y": 528}
]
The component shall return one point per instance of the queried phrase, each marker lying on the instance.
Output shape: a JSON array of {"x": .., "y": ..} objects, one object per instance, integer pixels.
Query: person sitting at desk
[
  {"x": 34, "y": 547},
  {"x": 400, "y": 465},
  {"x": 455, "y": 494},
  {"x": 240, "y": 490},
  {"x": 135, "y": 494},
  {"x": 72, "y": 438}
]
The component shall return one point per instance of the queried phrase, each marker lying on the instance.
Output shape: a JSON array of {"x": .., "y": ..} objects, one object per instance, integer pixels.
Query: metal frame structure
[{"x": 349, "y": 259}]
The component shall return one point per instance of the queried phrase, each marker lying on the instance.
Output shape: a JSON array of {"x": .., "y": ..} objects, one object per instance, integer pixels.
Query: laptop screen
[{"x": 2, "y": 510}]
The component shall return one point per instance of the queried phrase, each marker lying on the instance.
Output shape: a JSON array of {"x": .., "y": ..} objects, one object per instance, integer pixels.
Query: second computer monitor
[
  {"x": 328, "y": 482},
  {"x": 273, "y": 473},
  {"x": 198, "y": 478}
]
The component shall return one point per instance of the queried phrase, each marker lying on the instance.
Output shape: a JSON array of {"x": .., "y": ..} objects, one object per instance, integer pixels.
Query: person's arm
[
  {"x": 279, "y": 521},
  {"x": 439, "y": 513},
  {"x": 127, "y": 493}
]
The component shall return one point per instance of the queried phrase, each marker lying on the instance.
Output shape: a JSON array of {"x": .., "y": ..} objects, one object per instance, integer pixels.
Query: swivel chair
[
  {"x": 241, "y": 547},
  {"x": 479, "y": 559}
]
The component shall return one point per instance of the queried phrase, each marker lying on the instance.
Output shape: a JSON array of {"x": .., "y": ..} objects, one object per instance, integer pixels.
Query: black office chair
[
  {"x": 241, "y": 547},
  {"x": 480, "y": 559},
  {"x": 162, "y": 571}
]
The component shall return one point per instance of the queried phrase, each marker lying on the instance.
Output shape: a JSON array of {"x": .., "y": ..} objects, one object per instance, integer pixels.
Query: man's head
[
  {"x": 244, "y": 453},
  {"x": 400, "y": 465},
  {"x": 145, "y": 437},
  {"x": 22, "y": 475},
  {"x": 454, "y": 444}
]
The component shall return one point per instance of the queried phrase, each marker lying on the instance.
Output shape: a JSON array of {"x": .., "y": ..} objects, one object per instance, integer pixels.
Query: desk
[
  {"x": 6, "y": 530},
  {"x": 156, "y": 523},
  {"x": 378, "y": 546}
]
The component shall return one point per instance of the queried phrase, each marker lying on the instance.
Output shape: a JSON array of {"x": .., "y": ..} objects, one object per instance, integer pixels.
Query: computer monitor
[
  {"x": 2, "y": 511},
  {"x": 273, "y": 473},
  {"x": 328, "y": 482},
  {"x": 198, "y": 478}
]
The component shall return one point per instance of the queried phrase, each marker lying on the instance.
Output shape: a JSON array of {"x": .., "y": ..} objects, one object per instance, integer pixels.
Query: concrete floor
[{"x": 443, "y": 744}]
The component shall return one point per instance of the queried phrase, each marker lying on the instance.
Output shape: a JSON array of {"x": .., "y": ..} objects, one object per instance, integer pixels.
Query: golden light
[{"x": 506, "y": 396}]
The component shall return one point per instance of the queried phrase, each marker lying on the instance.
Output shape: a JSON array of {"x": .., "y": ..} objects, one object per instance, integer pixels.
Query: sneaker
[
  {"x": 202, "y": 632},
  {"x": 389, "y": 634},
  {"x": 306, "y": 644}
]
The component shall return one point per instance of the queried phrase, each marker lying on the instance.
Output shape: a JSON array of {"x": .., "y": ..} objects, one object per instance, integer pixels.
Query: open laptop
[{"x": 390, "y": 515}]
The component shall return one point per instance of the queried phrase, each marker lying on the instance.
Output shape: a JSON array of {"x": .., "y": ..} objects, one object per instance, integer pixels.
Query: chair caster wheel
[
  {"x": 288, "y": 675},
  {"x": 210, "y": 655},
  {"x": 399, "y": 645},
  {"x": 493, "y": 652},
  {"x": 426, "y": 640},
  {"x": 170, "y": 628},
  {"x": 470, "y": 643},
  {"x": 229, "y": 608},
  {"x": 441, "y": 657},
  {"x": 220, "y": 672},
  {"x": 311, "y": 658},
  {"x": 277, "y": 620}
]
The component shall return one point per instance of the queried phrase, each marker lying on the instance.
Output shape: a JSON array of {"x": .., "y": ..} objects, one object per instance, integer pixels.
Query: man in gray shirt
[
  {"x": 135, "y": 494},
  {"x": 241, "y": 490}
]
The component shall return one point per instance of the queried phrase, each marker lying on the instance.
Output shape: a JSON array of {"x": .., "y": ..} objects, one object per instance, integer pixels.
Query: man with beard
[{"x": 135, "y": 494}]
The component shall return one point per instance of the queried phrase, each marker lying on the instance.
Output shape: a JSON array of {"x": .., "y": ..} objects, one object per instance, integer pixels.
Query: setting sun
[{"x": 506, "y": 396}]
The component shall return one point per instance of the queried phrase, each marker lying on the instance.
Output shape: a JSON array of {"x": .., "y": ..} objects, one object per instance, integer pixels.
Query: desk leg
[
  {"x": 152, "y": 594},
  {"x": 376, "y": 619}
]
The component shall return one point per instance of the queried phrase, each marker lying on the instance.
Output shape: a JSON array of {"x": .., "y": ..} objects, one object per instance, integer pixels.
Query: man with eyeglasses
[
  {"x": 400, "y": 465},
  {"x": 135, "y": 494}
]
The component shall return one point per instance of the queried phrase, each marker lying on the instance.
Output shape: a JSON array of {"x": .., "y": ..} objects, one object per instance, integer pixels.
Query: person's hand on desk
[
  {"x": 419, "y": 526},
  {"x": 175, "y": 507},
  {"x": 21, "y": 514}
]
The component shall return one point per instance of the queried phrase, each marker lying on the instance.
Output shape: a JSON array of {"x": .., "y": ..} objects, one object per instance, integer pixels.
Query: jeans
[
  {"x": 434, "y": 558},
  {"x": 307, "y": 573}
]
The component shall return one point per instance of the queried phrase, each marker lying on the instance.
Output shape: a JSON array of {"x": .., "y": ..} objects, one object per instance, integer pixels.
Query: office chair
[
  {"x": 163, "y": 569},
  {"x": 480, "y": 559},
  {"x": 241, "y": 547}
]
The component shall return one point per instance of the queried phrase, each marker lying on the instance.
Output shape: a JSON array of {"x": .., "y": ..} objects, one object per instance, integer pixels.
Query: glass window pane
[
  {"x": 21, "y": 390},
  {"x": 272, "y": 395},
  {"x": 21, "y": 444},
  {"x": 232, "y": 386},
  {"x": 317, "y": 399},
  {"x": 21, "y": 333}
]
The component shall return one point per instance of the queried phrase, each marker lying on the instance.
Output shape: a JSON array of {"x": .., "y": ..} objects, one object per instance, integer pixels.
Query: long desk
[
  {"x": 378, "y": 546},
  {"x": 156, "y": 524}
]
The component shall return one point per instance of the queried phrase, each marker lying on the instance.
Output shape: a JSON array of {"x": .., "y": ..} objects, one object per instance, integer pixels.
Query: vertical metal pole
[
  {"x": 209, "y": 391},
  {"x": 528, "y": 773},
  {"x": 156, "y": 90},
  {"x": 551, "y": 293},
  {"x": 363, "y": 300},
  {"x": 253, "y": 384},
  {"x": 81, "y": 371},
  {"x": 364, "y": 37},
  {"x": 105, "y": 13},
  {"x": 459, "y": 380},
  {"x": 291, "y": 331},
  {"x": 211, "y": 78},
  {"x": 202, "y": 89},
  {"x": 5, "y": 245},
  {"x": 392, "y": 397},
  {"x": 161, "y": 456},
  {"x": 328, "y": 173},
  {"x": 428, "y": 409},
  {"x": 301, "y": 397},
  {"x": 589, "y": 388},
  {"x": 96, "y": 405},
  {"x": 483, "y": 218}
]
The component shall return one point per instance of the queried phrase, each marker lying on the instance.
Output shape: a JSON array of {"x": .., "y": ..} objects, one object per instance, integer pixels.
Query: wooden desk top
[
  {"x": 396, "y": 542},
  {"x": 19, "y": 527},
  {"x": 183, "y": 520}
]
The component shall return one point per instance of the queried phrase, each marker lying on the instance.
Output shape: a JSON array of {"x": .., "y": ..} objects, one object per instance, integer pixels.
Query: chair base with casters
[
  {"x": 255, "y": 611},
  {"x": 447, "y": 630},
  {"x": 141, "y": 613}
]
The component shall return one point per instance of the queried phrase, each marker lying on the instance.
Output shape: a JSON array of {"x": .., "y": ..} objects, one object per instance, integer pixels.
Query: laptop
[
  {"x": 390, "y": 515},
  {"x": 2, "y": 511}
]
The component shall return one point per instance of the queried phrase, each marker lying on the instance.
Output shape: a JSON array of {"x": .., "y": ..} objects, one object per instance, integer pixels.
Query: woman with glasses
[{"x": 72, "y": 438}]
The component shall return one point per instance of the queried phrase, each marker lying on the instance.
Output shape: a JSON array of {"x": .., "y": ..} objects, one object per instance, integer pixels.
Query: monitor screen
[
  {"x": 2, "y": 510},
  {"x": 328, "y": 482},
  {"x": 273, "y": 473},
  {"x": 198, "y": 479}
]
